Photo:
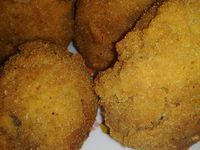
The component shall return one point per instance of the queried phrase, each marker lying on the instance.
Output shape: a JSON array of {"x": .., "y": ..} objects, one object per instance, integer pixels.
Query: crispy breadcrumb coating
[
  {"x": 27, "y": 20},
  {"x": 99, "y": 24},
  {"x": 46, "y": 99},
  {"x": 152, "y": 95}
]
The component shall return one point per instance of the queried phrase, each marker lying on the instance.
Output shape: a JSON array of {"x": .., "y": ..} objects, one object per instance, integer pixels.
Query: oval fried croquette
[
  {"x": 27, "y": 20},
  {"x": 99, "y": 24},
  {"x": 46, "y": 99},
  {"x": 152, "y": 95}
]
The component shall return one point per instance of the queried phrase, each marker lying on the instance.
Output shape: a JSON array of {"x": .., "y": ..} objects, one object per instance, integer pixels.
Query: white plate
[{"x": 98, "y": 140}]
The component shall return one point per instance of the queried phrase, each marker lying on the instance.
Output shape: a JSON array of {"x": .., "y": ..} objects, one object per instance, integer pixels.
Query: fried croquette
[
  {"x": 151, "y": 98},
  {"x": 46, "y": 99},
  {"x": 100, "y": 24},
  {"x": 27, "y": 20}
]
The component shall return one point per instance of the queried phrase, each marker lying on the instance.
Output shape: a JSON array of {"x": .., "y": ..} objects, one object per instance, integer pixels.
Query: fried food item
[
  {"x": 100, "y": 24},
  {"x": 46, "y": 99},
  {"x": 151, "y": 97},
  {"x": 27, "y": 20}
]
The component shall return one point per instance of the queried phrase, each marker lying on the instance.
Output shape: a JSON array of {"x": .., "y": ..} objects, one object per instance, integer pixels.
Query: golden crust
[
  {"x": 151, "y": 96},
  {"x": 27, "y": 20},
  {"x": 100, "y": 24},
  {"x": 46, "y": 99}
]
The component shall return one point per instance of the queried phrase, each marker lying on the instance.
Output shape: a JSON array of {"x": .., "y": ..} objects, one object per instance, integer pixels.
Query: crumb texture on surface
[
  {"x": 152, "y": 95},
  {"x": 27, "y": 20},
  {"x": 99, "y": 24},
  {"x": 46, "y": 99}
]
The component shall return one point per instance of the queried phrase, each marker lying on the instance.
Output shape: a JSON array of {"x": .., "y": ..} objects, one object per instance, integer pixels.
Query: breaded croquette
[
  {"x": 47, "y": 100},
  {"x": 27, "y": 20},
  {"x": 151, "y": 97},
  {"x": 99, "y": 24}
]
